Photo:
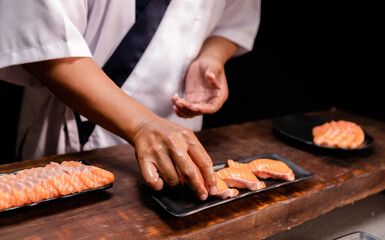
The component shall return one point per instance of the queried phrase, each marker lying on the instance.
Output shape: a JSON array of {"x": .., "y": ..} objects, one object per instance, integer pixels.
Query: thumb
[{"x": 212, "y": 77}]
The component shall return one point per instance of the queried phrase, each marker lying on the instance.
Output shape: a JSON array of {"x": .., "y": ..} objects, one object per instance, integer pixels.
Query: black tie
[{"x": 125, "y": 57}]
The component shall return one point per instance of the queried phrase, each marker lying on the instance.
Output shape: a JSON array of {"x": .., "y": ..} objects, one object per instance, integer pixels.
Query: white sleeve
[
  {"x": 239, "y": 23},
  {"x": 34, "y": 31}
]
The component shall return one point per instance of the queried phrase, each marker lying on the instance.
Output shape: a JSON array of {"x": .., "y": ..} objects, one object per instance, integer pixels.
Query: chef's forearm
[
  {"x": 84, "y": 87},
  {"x": 218, "y": 48}
]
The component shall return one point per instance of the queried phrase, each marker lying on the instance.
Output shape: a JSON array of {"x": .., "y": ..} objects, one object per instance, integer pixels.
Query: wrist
[{"x": 218, "y": 49}]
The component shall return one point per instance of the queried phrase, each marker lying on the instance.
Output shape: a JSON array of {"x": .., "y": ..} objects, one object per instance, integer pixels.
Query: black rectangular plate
[
  {"x": 182, "y": 202},
  {"x": 60, "y": 197}
]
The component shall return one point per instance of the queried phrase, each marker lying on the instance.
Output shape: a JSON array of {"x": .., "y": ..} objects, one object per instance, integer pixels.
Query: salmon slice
[
  {"x": 340, "y": 134},
  {"x": 73, "y": 176},
  {"x": 58, "y": 180},
  {"x": 40, "y": 177},
  {"x": 53, "y": 180},
  {"x": 21, "y": 194},
  {"x": 43, "y": 189},
  {"x": 7, "y": 199},
  {"x": 100, "y": 176},
  {"x": 240, "y": 178},
  {"x": 223, "y": 190},
  {"x": 90, "y": 176},
  {"x": 7, "y": 193},
  {"x": 4, "y": 204},
  {"x": 266, "y": 168}
]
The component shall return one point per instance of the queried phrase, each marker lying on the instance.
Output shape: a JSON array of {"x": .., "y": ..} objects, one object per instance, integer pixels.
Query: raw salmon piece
[
  {"x": 20, "y": 193},
  {"x": 6, "y": 178},
  {"x": 223, "y": 190},
  {"x": 4, "y": 204},
  {"x": 94, "y": 176},
  {"x": 266, "y": 168},
  {"x": 88, "y": 178},
  {"x": 340, "y": 134},
  {"x": 38, "y": 179},
  {"x": 42, "y": 188},
  {"x": 73, "y": 177},
  {"x": 240, "y": 178},
  {"x": 31, "y": 190},
  {"x": 100, "y": 176},
  {"x": 53, "y": 180},
  {"x": 34, "y": 183},
  {"x": 61, "y": 179},
  {"x": 359, "y": 137},
  {"x": 322, "y": 134},
  {"x": 57, "y": 179},
  {"x": 7, "y": 199}
]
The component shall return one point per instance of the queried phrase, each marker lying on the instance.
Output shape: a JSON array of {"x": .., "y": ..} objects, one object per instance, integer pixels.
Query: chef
[{"x": 69, "y": 56}]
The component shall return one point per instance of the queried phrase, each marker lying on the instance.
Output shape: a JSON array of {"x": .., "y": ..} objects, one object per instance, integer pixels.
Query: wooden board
[{"x": 125, "y": 212}]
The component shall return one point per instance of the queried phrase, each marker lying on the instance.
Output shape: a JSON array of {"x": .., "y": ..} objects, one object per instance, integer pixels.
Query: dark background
[{"x": 308, "y": 55}]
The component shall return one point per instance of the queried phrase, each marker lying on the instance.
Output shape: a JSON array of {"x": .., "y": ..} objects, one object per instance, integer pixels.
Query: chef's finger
[
  {"x": 204, "y": 108},
  {"x": 168, "y": 171},
  {"x": 211, "y": 76},
  {"x": 186, "y": 112},
  {"x": 203, "y": 161},
  {"x": 179, "y": 113},
  {"x": 190, "y": 173},
  {"x": 187, "y": 108},
  {"x": 191, "y": 109},
  {"x": 175, "y": 98},
  {"x": 150, "y": 175}
]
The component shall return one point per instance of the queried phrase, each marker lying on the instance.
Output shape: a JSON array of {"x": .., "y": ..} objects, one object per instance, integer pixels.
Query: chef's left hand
[
  {"x": 205, "y": 91},
  {"x": 205, "y": 84}
]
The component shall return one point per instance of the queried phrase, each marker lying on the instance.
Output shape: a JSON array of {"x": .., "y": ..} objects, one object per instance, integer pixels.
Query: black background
[{"x": 308, "y": 55}]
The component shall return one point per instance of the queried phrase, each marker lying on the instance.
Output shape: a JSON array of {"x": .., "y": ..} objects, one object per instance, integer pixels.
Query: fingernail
[
  {"x": 203, "y": 196},
  {"x": 213, "y": 190}
]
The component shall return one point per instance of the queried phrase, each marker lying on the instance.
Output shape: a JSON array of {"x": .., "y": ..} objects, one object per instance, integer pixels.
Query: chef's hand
[
  {"x": 205, "y": 91},
  {"x": 163, "y": 148},
  {"x": 206, "y": 87}
]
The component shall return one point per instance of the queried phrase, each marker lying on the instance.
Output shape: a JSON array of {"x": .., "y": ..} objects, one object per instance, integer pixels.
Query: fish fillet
[
  {"x": 53, "y": 180},
  {"x": 266, "y": 168},
  {"x": 240, "y": 178},
  {"x": 339, "y": 134},
  {"x": 223, "y": 190}
]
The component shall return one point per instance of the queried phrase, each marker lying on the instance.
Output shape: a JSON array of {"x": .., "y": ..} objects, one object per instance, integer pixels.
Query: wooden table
[{"x": 125, "y": 212}]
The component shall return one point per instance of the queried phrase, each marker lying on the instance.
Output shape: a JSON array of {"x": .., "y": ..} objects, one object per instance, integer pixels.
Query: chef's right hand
[{"x": 163, "y": 148}]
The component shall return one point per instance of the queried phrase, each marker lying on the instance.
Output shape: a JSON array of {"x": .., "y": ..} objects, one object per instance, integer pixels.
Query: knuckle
[
  {"x": 153, "y": 183},
  {"x": 206, "y": 164},
  {"x": 173, "y": 182},
  {"x": 158, "y": 148},
  {"x": 187, "y": 132},
  {"x": 189, "y": 173}
]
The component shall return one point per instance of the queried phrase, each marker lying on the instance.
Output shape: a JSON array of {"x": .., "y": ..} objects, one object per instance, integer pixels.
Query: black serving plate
[
  {"x": 299, "y": 127},
  {"x": 56, "y": 198},
  {"x": 182, "y": 202}
]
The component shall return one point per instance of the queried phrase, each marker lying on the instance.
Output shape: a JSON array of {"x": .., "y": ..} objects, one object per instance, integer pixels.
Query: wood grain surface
[{"x": 125, "y": 212}]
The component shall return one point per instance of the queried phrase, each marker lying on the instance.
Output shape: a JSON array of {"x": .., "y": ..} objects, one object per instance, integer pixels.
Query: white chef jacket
[{"x": 51, "y": 29}]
